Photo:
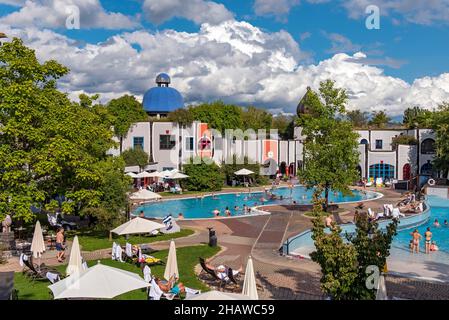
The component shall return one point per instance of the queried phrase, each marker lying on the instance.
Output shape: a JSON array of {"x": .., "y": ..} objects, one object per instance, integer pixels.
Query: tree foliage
[
  {"x": 285, "y": 125},
  {"x": 234, "y": 164},
  {"x": 136, "y": 157},
  {"x": 358, "y": 118},
  {"x": 218, "y": 115},
  {"x": 255, "y": 118},
  {"x": 379, "y": 119},
  {"x": 403, "y": 139},
  {"x": 330, "y": 146},
  {"x": 440, "y": 124},
  {"x": 416, "y": 117},
  {"x": 204, "y": 175},
  {"x": 125, "y": 111}
]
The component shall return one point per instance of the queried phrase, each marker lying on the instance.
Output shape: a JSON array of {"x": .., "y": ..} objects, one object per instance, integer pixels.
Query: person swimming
[
  {"x": 446, "y": 224},
  {"x": 436, "y": 223},
  {"x": 216, "y": 212},
  {"x": 227, "y": 212},
  {"x": 434, "y": 247}
]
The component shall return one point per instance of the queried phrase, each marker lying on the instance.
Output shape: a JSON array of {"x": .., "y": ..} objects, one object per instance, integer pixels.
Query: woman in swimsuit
[
  {"x": 416, "y": 238},
  {"x": 428, "y": 236}
]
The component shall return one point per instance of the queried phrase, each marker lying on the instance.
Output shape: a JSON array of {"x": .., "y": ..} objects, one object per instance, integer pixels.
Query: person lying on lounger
[
  {"x": 170, "y": 286},
  {"x": 221, "y": 270}
]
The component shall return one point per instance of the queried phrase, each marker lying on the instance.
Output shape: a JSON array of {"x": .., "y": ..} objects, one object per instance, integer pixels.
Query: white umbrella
[
  {"x": 178, "y": 175},
  {"x": 132, "y": 175},
  {"x": 218, "y": 295},
  {"x": 99, "y": 281},
  {"x": 138, "y": 225},
  {"x": 249, "y": 283},
  {"x": 144, "y": 194},
  {"x": 381, "y": 293},
  {"x": 38, "y": 244},
  {"x": 168, "y": 173},
  {"x": 75, "y": 262},
  {"x": 155, "y": 174},
  {"x": 143, "y": 174},
  {"x": 243, "y": 172},
  {"x": 171, "y": 269}
]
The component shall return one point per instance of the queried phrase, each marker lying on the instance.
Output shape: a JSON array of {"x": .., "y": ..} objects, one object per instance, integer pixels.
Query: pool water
[
  {"x": 439, "y": 209},
  {"x": 196, "y": 207}
]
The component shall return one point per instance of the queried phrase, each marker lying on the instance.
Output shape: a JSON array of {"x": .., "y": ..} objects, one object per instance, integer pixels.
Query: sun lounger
[
  {"x": 191, "y": 292},
  {"x": 156, "y": 293},
  {"x": 221, "y": 279},
  {"x": 41, "y": 272}
]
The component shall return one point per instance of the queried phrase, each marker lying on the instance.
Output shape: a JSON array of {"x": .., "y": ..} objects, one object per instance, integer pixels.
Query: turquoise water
[
  {"x": 193, "y": 208},
  {"x": 439, "y": 209}
]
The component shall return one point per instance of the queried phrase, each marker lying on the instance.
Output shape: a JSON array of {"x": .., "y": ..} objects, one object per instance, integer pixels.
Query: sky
[{"x": 254, "y": 52}]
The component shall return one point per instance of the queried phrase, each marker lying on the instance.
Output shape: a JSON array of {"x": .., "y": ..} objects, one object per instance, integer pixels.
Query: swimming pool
[
  {"x": 197, "y": 208},
  {"x": 439, "y": 209}
]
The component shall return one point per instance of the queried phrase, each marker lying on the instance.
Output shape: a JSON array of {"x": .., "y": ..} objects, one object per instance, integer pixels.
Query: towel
[
  {"x": 129, "y": 250},
  {"x": 147, "y": 274},
  {"x": 21, "y": 258},
  {"x": 155, "y": 291},
  {"x": 114, "y": 250},
  {"x": 191, "y": 292}
]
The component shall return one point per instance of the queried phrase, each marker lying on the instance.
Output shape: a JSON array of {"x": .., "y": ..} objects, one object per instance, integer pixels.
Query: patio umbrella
[
  {"x": 178, "y": 175},
  {"x": 381, "y": 289},
  {"x": 138, "y": 225},
  {"x": 249, "y": 283},
  {"x": 244, "y": 172},
  {"x": 144, "y": 174},
  {"x": 132, "y": 175},
  {"x": 155, "y": 174},
  {"x": 171, "y": 269},
  {"x": 144, "y": 194},
  {"x": 218, "y": 295},
  {"x": 38, "y": 244},
  {"x": 75, "y": 262},
  {"x": 99, "y": 281}
]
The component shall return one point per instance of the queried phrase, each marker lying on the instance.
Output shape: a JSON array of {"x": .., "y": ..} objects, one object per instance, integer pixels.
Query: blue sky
[{"x": 411, "y": 45}]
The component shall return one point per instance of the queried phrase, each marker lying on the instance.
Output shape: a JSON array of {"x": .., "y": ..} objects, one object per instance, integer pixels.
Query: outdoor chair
[
  {"x": 42, "y": 272},
  {"x": 213, "y": 274}
]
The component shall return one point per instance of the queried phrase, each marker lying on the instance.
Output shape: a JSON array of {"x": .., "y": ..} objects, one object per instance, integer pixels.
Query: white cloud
[
  {"x": 233, "y": 61},
  {"x": 341, "y": 44},
  {"x": 198, "y": 11},
  {"x": 413, "y": 11},
  {"x": 278, "y": 8},
  {"x": 54, "y": 13},
  {"x": 16, "y": 3}
]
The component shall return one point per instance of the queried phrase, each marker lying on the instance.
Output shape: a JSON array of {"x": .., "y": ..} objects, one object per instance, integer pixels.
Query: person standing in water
[
  {"x": 428, "y": 236},
  {"x": 416, "y": 237}
]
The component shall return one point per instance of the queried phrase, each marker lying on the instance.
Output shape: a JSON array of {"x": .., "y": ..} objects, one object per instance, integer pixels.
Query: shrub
[
  {"x": 229, "y": 168},
  {"x": 202, "y": 176},
  {"x": 403, "y": 139}
]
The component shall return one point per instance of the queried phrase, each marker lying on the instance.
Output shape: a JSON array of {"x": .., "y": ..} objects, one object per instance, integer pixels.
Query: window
[
  {"x": 381, "y": 170},
  {"x": 428, "y": 146},
  {"x": 189, "y": 143},
  {"x": 379, "y": 144},
  {"x": 364, "y": 141},
  {"x": 427, "y": 169},
  {"x": 138, "y": 142},
  {"x": 166, "y": 142}
]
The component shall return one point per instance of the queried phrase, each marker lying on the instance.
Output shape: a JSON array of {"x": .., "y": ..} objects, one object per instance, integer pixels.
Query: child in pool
[{"x": 433, "y": 246}]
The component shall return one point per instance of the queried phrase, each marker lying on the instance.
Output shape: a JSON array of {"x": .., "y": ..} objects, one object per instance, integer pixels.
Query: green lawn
[
  {"x": 187, "y": 259},
  {"x": 91, "y": 240}
]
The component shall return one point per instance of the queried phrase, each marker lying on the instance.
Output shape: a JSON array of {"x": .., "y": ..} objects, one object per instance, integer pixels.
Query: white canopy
[
  {"x": 144, "y": 194},
  {"x": 381, "y": 293},
  {"x": 171, "y": 269},
  {"x": 218, "y": 295},
  {"x": 132, "y": 175},
  {"x": 38, "y": 244},
  {"x": 99, "y": 281},
  {"x": 143, "y": 174},
  {"x": 155, "y": 174},
  {"x": 76, "y": 262},
  {"x": 243, "y": 172},
  {"x": 178, "y": 175},
  {"x": 168, "y": 173},
  {"x": 137, "y": 225},
  {"x": 249, "y": 283}
]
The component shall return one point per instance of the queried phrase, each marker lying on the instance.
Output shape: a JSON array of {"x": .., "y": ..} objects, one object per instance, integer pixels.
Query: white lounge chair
[
  {"x": 129, "y": 250},
  {"x": 156, "y": 293},
  {"x": 191, "y": 292},
  {"x": 118, "y": 253},
  {"x": 114, "y": 250},
  {"x": 147, "y": 274},
  {"x": 397, "y": 213}
]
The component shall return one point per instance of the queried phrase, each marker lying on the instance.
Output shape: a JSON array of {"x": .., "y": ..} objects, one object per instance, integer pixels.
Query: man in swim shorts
[{"x": 428, "y": 236}]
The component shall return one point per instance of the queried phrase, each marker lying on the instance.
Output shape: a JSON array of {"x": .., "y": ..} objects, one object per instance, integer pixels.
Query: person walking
[{"x": 60, "y": 248}]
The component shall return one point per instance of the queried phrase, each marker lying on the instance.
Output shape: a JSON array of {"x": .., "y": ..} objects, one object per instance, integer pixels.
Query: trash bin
[{"x": 212, "y": 238}]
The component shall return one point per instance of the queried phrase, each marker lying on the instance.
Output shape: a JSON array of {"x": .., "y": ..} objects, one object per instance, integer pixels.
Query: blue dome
[{"x": 162, "y": 100}]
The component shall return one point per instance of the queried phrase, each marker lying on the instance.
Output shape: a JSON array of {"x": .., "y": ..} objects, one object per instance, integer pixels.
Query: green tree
[
  {"x": 218, "y": 115},
  {"x": 255, "y": 118},
  {"x": 379, "y": 119},
  {"x": 285, "y": 125},
  {"x": 126, "y": 111},
  {"x": 417, "y": 117},
  {"x": 403, "y": 139},
  {"x": 440, "y": 124},
  {"x": 330, "y": 146},
  {"x": 182, "y": 116},
  {"x": 136, "y": 157},
  {"x": 204, "y": 175},
  {"x": 45, "y": 149},
  {"x": 358, "y": 118}
]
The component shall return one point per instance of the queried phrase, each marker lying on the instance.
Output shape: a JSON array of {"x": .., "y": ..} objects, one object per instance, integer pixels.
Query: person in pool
[
  {"x": 428, "y": 236},
  {"x": 446, "y": 224},
  {"x": 236, "y": 208},
  {"x": 436, "y": 223},
  {"x": 416, "y": 237},
  {"x": 216, "y": 212},
  {"x": 227, "y": 212},
  {"x": 180, "y": 216},
  {"x": 433, "y": 246},
  {"x": 142, "y": 215}
]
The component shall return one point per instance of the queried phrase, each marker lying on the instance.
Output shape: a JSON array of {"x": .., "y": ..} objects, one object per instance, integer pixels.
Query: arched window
[
  {"x": 428, "y": 146},
  {"x": 364, "y": 141},
  {"x": 406, "y": 171},
  {"x": 427, "y": 169},
  {"x": 381, "y": 170}
]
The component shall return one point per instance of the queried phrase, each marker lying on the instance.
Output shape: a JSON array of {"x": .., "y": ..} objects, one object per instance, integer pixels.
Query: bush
[
  {"x": 403, "y": 139},
  {"x": 202, "y": 176},
  {"x": 232, "y": 166}
]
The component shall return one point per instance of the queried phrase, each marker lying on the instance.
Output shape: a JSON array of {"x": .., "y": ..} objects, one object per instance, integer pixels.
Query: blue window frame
[
  {"x": 427, "y": 169},
  {"x": 381, "y": 170},
  {"x": 379, "y": 144},
  {"x": 138, "y": 142}
]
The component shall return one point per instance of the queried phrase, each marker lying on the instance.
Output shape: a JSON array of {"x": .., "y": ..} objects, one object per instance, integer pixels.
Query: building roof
[{"x": 162, "y": 99}]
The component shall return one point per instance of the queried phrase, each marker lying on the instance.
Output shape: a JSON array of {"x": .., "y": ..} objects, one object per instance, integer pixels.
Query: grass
[
  {"x": 187, "y": 259},
  {"x": 91, "y": 240}
]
